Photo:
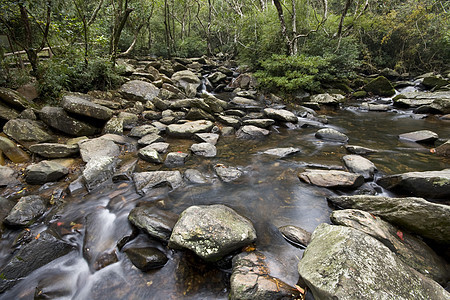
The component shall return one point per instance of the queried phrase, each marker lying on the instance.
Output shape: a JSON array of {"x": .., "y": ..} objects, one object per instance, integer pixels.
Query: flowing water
[{"x": 269, "y": 194}]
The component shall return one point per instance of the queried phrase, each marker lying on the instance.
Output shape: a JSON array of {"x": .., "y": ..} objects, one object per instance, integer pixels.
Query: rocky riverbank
[{"x": 378, "y": 247}]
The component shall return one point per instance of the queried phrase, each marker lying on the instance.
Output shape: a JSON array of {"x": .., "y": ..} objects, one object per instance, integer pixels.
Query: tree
[{"x": 121, "y": 13}]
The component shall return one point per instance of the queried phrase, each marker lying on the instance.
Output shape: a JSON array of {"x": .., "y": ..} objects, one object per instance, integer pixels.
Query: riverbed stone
[
  {"x": 45, "y": 171},
  {"x": 427, "y": 219},
  {"x": 187, "y": 81},
  {"x": 189, "y": 129},
  {"x": 434, "y": 82},
  {"x": 245, "y": 102},
  {"x": 146, "y": 259},
  {"x": 282, "y": 152},
  {"x": 360, "y": 165},
  {"x": 113, "y": 126},
  {"x": 8, "y": 177},
  {"x": 138, "y": 90},
  {"x": 380, "y": 86},
  {"x": 54, "y": 150},
  {"x": 175, "y": 159},
  {"x": 155, "y": 222},
  {"x": 212, "y": 231},
  {"x": 250, "y": 279},
  {"x": 150, "y": 139},
  {"x": 125, "y": 169},
  {"x": 24, "y": 130},
  {"x": 26, "y": 211},
  {"x": 195, "y": 176},
  {"x": 99, "y": 170},
  {"x": 232, "y": 121},
  {"x": 161, "y": 147},
  {"x": 145, "y": 181},
  {"x": 7, "y": 113},
  {"x": 198, "y": 114},
  {"x": 331, "y": 134},
  {"x": 421, "y": 136},
  {"x": 83, "y": 107},
  {"x": 327, "y": 99},
  {"x": 332, "y": 178},
  {"x": 150, "y": 155},
  {"x": 12, "y": 151},
  {"x": 57, "y": 118},
  {"x": 13, "y": 99},
  {"x": 263, "y": 123},
  {"x": 129, "y": 120},
  {"x": 204, "y": 149},
  {"x": 98, "y": 147},
  {"x": 344, "y": 263},
  {"x": 280, "y": 115},
  {"x": 211, "y": 138},
  {"x": 227, "y": 174},
  {"x": 444, "y": 149},
  {"x": 250, "y": 132},
  {"x": 296, "y": 235},
  {"x": 359, "y": 149},
  {"x": 428, "y": 184},
  {"x": 411, "y": 250},
  {"x": 140, "y": 131}
]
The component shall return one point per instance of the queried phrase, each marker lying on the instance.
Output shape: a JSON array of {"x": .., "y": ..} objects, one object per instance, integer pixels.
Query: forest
[{"x": 290, "y": 44}]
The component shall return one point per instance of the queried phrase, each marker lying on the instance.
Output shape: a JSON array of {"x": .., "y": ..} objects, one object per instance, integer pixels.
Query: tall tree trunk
[
  {"x": 167, "y": 29},
  {"x": 119, "y": 24},
  {"x": 294, "y": 43},
  {"x": 283, "y": 25},
  {"x": 344, "y": 13}
]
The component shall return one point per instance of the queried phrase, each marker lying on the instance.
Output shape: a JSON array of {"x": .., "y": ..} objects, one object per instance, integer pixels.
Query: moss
[
  {"x": 359, "y": 94},
  {"x": 380, "y": 86}
]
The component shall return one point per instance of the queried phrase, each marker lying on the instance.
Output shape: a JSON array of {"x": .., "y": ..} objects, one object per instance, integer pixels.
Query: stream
[{"x": 269, "y": 194}]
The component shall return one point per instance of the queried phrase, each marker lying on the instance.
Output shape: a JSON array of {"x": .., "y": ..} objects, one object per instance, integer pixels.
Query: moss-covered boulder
[
  {"x": 13, "y": 99},
  {"x": 434, "y": 82},
  {"x": 380, "y": 86}
]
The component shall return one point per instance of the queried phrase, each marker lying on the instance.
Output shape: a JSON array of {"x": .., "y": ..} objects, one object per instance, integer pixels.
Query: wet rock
[
  {"x": 444, "y": 149},
  {"x": 190, "y": 103},
  {"x": 281, "y": 115},
  {"x": 187, "y": 81},
  {"x": 250, "y": 132},
  {"x": 411, "y": 250},
  {"x": 380, "y": 86},
  {"x": 211, "y": 231},
  {"x": 137, "y": 90},
  {"x": 83, "y": 107},
  {"x": 113, "y": 126},
  {"x": 204, "y": 149},
  {"x": 8, "y": 177},
  {"x": 327, "y": 99},
  {"x": 438, "y": 101},
  {"x": 232, "y": 121},
  {"x": 375, "y": 107},
  {"x": 360, "y": 165},
  {"x": 146, "y": 259},
  {"x": 143, "y": 130},
  {"x": 228, "y": 130},
  {"x": 14, "y": 153},
  {"x": 421, "y": 136},
  {"x": 54, "y": 150},
  {"x": 145, "y": 181},
  {"x": 175, "y": 159},
  {"x": 332, "y": 178},
  {"x": 99, "y": 170},
  {"x": 331, "y": 134},
  {"x": 217, "y": 77},
  {"x": 39, "y": 252},
  {"x": 296, "y": 235},
  {"x": 282, "y": 152},
  {"x": 155, "y": 222},
  {"x": 359, "y": 150},
  {"x": 105, "y": 259},
  {"x": 26, "y": 211},
  {"x": 434, "y": 82},
  {"x": 189, "y": 129},
  {"x": 161, "y": 147},
  {"x": 262, "y": 123},
  {"x": 211, "y": 138},
  {"x": 98, "y": 147},
  {"x": 151, "y": 115},
  {"x": 57, "y": 118},
  {"x": 195, "y": 176},
  {"x": 245, "y": 102},
  {"x": 429, "y": 184},
  {"x": 198, "y": 114},
  {"x": 150, "y": 139},
  {"x": 150, "y": 155},
  {"x": 215, "y": 104},
  {"x": 250, "y": 280},
  {"x": 24, "y": 130},
  {"x": 13, "y": 99},
  {"x": 45, "y": 171},
  {"x": 125, "y": 169},
  {"x": 227, "y": 174},
  {"x": 345, "y": 263},
  {"x": 7, "y": 113},
  {"x": 416, "y": 215},
  {"x": 129, "y": 120}
]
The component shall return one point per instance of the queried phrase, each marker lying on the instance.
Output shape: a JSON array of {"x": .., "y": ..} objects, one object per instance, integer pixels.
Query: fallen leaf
[
  {"x": 400, "y": 235},
  {"x": 302, "y": 291},
  {"x": 38, "y": 236}
]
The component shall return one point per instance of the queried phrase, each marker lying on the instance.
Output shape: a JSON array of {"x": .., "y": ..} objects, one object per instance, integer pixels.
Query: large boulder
[
  {"x": 421, "y": 136},
  {"x": 26, "y": 211},
  {"x": 57, "y": 118},
  {"x": 280, "y": 115},
  {"x": 155, "y": 222},
  {"x": 427, "y": 219},
  {"x": 331, "y": 134},
  {"x": 98, "y": 147},
  {"x": 138, "y": 90},
  {"x": 187, "y": 81},
  {"x": 189, "y": 129},
  {"x": 45, "y": 171},
  {"x": 327, "y": 99},
  {"x": 54, "y": 150},
  {"x": 80, "y": 106},
  {"x": 212, "y": 231},
  {"x": 360, "y": 165},
  {"x": 332, "y": 178},
  {"x": 437, "y": 102},
  {"x": 380, "y": 86},
  {"x": 145, "y": 181},
  {"x": 244, "y": 102},
  {"x": 99, "y": 170},
  {"x": 204, "y": 149},
  {"x": 24, "y": 130},
  {"x": 344, "y": 263},
  {"x": 13, "y": 99},
  {"x": 411, "y": 250},
  {"x": 429, "y": 184}
]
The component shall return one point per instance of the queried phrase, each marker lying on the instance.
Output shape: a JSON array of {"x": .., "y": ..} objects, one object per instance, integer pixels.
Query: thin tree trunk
[
  {"x": 282, "y": 24},
  {"x": 344, "y": 13},
  {"x": 294, "y": 47}
]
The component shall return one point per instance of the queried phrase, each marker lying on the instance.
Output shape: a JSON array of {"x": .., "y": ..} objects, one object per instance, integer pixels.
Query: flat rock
[
  {"x": 54, "y": 150},
  {"x": 99, "y": 170},
  {"x": 98, "y": 147},
  {"x": 57, "y": 118},
  {"x": 145, "y": 181},
  {"x": 427, "y": 219},
  {"x": 360, "y": 165},
  {"x": 444, "y": 149},
  {"x": 140, "y": 131},
  {"x": 175, "y": 159},
  {"x": 138, "y": 90},
  {"x": 344, "y": 263},
  {"x": 83, "y": 107},
  {"x": 212, "y": 231},
  {"x": 150, "y": 139},
  {"x": 7, "y": 113},
  {"x": 296, "y": 235},
  {"x": 161, "y": 147},
  {"x": 150, "y": 155},
  {"x": 263, "y": 123},
  {"x": 211, "y": 138},
  {"x": 13, "y": 99},
  {"x": 232, "y": 121},
  {"x": 227, "y": 174},
  {"x": 146, "y": 259},
  {"x": 250, "y": 132},
  {"x": 332, "y": 178},
  {"x": 8, "y": 177},
  {"x": 204, "y": 149},
  {"x": 45, "y": 171},
  {"x": 282, "y": 152},
  {"x": 421, "y": 136},
  {"x": 327, "y": 99},
  {"x": 155, "y": 222},
  {"x": 12, "y": 151},
  {"x": 189, "y": 129},
  {"x": 331, "y": 134},
  {"x": 359, "y": 149},
  {"x": 26, "y": 211},
  {"x": 195, "y": 176},
  {"x": 428, "y": 184},
  {"x": 280, "y": 115},
  {"x": 245, "y": 102},
  {"x": 24, "y": 130}
]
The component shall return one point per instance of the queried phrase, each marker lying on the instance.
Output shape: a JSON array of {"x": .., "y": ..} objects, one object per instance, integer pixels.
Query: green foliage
[{"x": 191, "y": 47}]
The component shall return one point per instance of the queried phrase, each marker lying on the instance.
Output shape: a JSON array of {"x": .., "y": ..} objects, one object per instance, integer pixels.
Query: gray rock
[
  {"x": 282, "y": 152},
  {"x": 54, "y": 150},
  {"x": 24, "y": 130},
  {"x": 98, "y": 147},
  {"x": 155, "y": 222},
  {"x": 245, "y": 102},
  {"x": 344, "y": 263},
  {"x": 175, "y": 159},
  {"x": 211, "y": 138},
  {"x": 161, "y": 147},
  {"x": 187, "y": 81},
  {"x": 263, "y": 123},
  {"x": 212, "y": 231},
  {"x": 280, "y": 115},
  {"x": 217, "y": 77},
  {"x": 8, "y": 113},
  {"x": 204, "y": 149},
  {"x": 150, "y": 155},
  {"x": 250, "y": 132},
  {"x": 332, "y": 178},
  {"x": 421, "y": 136},
  {"x": 140, "y": 131},
  {"x": 8, "y": 177},
  {"x": 232, "y": 121},
  {"x": 444, "y": 149},
  {"x": 411, "y": 250},
  {"x": 26, "y": 211},
  {"x": 227, "y": 174},
  {"x": 429, "y": 184},
  {"x": 45, "y": 171},
  {"x": 146, "y": 259},
  {"x": 438, "y": 101},
  {"x": 190, "y": 103},
  {"x": 327, "y": 99},
  {"x": 99, "y": 170},
  {"x": 250, "y": 279},
  {"x": 195, "y": 176},
  {"x": 189, "y": 129},
  {"x": 137, "y": 90},
  {"x": 13, "y": 99},
  {"x": 129, "y": 120},
  {"x": 57, "y": 118},
  {"x": 125, "y": 169},
  {"x": 416, "y": 215},
  {"x": 150, "y": 139},
  {"x": 113, "y": 126},
  {"x": 215, "y": 104},
  {"x": 198, "y": 114},
  {"x": 80, "y": 106},
  {"x": 360, "y": 165},
  {"x": 14, "y": 153},
  {"x": 228, "y": 130},
  {"x": 359, "y": 150},
  {"x": 145, "y": 181},
  {"x": 375, "y": 107},
  {"x": 295, "y": 235},
  {"x": 151, "y": 115},
  {"x": 244, "y": 81},
  {"x": 331, "y": 134}
]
